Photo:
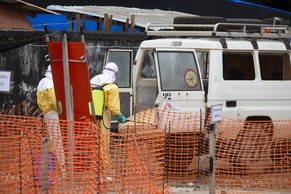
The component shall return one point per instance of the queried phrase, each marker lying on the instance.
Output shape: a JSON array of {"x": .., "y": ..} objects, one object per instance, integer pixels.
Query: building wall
[{"x": 28, "y": 64}]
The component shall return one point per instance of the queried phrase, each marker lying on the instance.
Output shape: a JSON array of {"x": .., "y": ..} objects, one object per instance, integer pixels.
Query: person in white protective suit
[
  {"x": 111, "y": 104},
  {"x": 46, "y": 101}
]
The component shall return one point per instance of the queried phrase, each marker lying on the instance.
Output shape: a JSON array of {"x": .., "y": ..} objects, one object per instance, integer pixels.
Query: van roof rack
[{"x": 235, "y": 30}]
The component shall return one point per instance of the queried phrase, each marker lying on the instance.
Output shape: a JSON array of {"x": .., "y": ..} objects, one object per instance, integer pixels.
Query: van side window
[
  {"x": 238, "y": 66},
  {"x": 147, "y": 85},
  {"x": 203, "y": 60},
  {"x": 275, "y": 66},
  {"x": 148, "y": 67}
]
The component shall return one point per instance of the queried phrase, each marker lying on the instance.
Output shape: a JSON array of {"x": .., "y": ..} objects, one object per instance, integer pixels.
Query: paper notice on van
[{"x": 216, "y": 113}]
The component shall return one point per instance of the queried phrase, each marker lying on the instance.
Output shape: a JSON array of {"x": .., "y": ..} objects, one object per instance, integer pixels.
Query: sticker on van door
[
  {"x": 167, "y": 107},
  {"x": 167, "y": 96},
  {"x": 190, "y": 78},
  {"x": 170, "y": 106}
]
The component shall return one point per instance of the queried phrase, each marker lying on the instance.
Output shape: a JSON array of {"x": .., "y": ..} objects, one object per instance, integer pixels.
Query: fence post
[
  {"x": 44, "y": 166},
  {"x": 213, "y": 128},
  {"x": 216, "y": 114},
  {"x": 69, "y": 107},
  {"x": 132, "y": 23}
]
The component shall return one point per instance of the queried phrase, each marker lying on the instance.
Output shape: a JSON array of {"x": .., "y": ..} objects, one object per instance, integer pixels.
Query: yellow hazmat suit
[
  {"x": 111, "y": 104},
  {"x": 46, "y": 101}
]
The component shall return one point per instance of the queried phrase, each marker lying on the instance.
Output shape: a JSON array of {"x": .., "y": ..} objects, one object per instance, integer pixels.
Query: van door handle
[{"x": 231, "y": 103}]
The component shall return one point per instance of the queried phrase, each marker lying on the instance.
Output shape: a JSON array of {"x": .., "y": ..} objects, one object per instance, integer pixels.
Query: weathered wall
[{"x": 28, "y": 63}]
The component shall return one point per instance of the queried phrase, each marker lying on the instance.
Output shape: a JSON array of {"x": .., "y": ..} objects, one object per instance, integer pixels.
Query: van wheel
[
  {"x": 196, "y": 20},
  {"x": 249, "y": 29}
]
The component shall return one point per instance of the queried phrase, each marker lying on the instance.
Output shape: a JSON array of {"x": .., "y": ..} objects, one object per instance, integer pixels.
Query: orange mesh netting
[
  {"x": 250, "y": 156},
  {"x": 137, "y": 162},
  {"x": 254, "y": 155},
  {"x": 184, "y": 142},
  {"x": 151, "y": 151},
  {"x": 36, "y": 158},
  {"x": 33, "y": 161}
]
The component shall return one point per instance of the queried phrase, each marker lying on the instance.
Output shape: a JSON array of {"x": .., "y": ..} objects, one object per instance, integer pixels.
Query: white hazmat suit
[{"x": 46, "y": 101}]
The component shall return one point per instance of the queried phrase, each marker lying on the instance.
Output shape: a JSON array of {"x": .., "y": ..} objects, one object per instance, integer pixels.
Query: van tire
[{"x": 196, "y": 20}]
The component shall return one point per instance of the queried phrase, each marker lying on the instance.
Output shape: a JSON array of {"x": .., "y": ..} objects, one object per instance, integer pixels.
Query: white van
[{"x": 189, "y": 67}]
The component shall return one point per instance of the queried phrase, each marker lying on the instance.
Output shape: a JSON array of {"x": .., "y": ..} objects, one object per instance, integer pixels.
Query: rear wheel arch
[{"x": 259, "y": 118}]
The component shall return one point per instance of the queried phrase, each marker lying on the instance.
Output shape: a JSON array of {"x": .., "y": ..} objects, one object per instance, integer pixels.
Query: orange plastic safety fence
[
  {"x": 56, "y": 156},
  {"x": 137, "y": 162},
  {"x": 23, "y": 109},
  {"x": 40, "y": 155},
  {"x": 184, "y": 142},
  {"x": 36, "y": 158},
  {"x": 184, "y": 137},
  {"x": 254, "y": 156},
  {"x": 251, "y": 157}
]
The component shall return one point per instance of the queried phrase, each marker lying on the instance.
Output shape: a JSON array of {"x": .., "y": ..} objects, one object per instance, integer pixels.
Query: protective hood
[
  {"x": 46, "y": 82},
  {"x": 110, "y": 75},
  {"x": 48, "y": 72},
  {"x": 107, "y": 77}
]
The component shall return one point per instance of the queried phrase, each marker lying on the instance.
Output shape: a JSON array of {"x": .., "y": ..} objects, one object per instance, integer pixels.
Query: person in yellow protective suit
[
  {"x": 46, "y": 101},
  {"x": 111, "y": 104}
]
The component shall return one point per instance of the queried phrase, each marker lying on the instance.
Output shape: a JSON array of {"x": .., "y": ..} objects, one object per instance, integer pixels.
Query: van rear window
[
  {"x": 238, "y": 66},
  {"x": 275, "y": 66}
]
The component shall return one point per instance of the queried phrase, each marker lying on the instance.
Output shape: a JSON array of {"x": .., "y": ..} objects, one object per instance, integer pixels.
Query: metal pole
[
  {"x": 45, "y": 166},
  {"x": 20, "y": 163},
  {"x": 46, "y": 33},
  {"x": 82, "y": 34},
  {"x": 213, "y": 129},
  {"x": 199, "y": 146},
  {"x": 69, "y": 107}
]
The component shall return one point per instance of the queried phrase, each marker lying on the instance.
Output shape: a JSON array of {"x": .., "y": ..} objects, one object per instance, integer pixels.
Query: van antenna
[{"x": 262, "y": 11}]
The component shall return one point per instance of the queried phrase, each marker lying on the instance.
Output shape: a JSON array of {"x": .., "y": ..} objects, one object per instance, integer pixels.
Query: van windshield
[{"x": 178, "y": 71}]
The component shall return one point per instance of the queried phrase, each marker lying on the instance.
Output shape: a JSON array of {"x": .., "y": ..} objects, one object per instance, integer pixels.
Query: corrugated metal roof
[
  {"x": 27, "y": 7},
  {"x": 13, "y": 18},
  {"x": 120, "y": 14},
  {"x": 13, "y": 14},
  {"x": 33, "y": 8}
]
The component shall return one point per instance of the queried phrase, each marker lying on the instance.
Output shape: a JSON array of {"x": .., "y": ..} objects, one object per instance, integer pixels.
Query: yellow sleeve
[{"x": 112, "y": 101}]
